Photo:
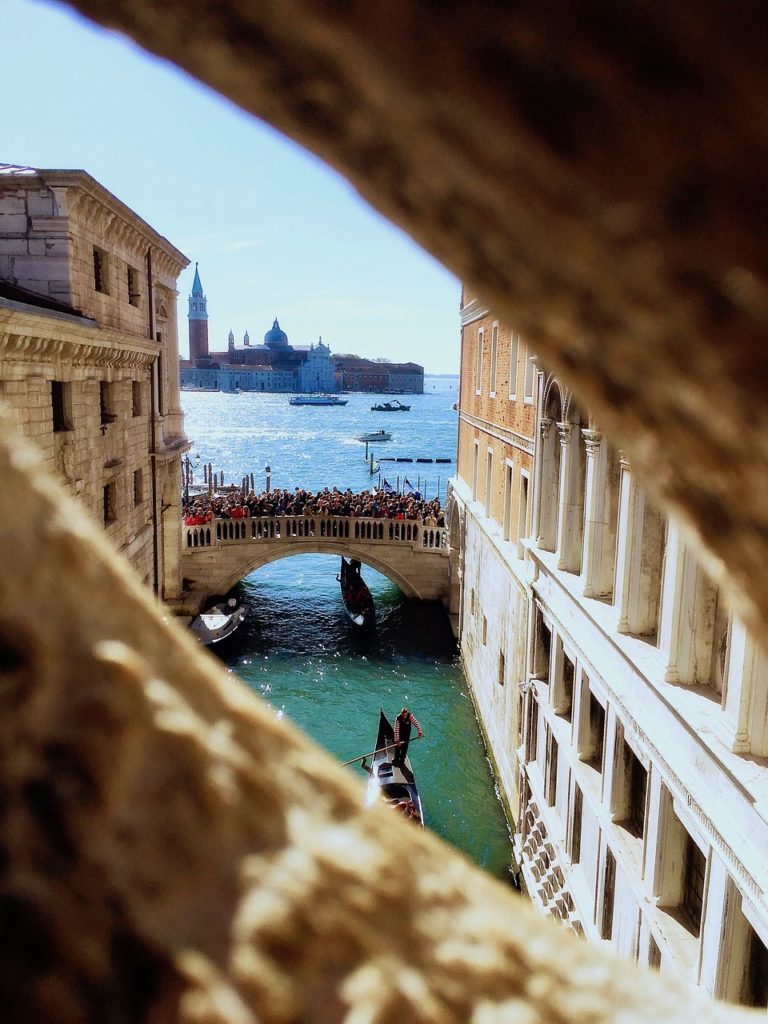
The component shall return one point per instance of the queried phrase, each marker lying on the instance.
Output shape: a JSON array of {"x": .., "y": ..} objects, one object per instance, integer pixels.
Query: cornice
[
  {"x": 504, "y": 434},
  {"x": 474, "y": 310},
  {"x": 27, "y": 337}
]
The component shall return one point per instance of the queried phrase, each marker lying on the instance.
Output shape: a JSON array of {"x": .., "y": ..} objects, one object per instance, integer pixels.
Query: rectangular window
[
  {"x": 550, "y": 782},
  {"x": 564, "y": 702},
  {"x": 160, "y": 396},
  {"x": 136, "y": 397},
  {"x": 543, "y": 647},
  {"x": 488, "y": 482},
  {"x": 756, "y": 980},
  {"x": 61, "y": 406},
  {"x": 494, "y": 356},
  {"x": 530, "y": 369},
  {"x": 522, "y": 514},
  {"x": 107, "y": 402},
  {"x": 509, "y": 471},
  {"x": 593, "y": 753},
  {"x": 479, "y": 361},
  {"x": 693, "y": 884},
  {"x": 100, "y": 270},
  {"x": 138, "y": 487},
  {"x": 475, "y": 469},
  {"x": 637, "y": 787},
  {"x": 110, "y": 503},
  {"x": 134, "y": 295},
  {"x": 485, "y": 630},
  {"x": 472, "y": 601},
  {"x": 578, "y": 802},
  {"x": 609, "y": 886},
  {"x": 502, "y": 668},
  {"x": 533, "y": 729},
  {"x": 514, "y": 357}
]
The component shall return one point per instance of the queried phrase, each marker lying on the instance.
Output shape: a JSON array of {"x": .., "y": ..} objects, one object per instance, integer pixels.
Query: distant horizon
[{"x": 276, "y": 232}]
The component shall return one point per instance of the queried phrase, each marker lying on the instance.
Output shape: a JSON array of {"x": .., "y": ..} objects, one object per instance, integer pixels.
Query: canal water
[{"x": 299, "y": 650}]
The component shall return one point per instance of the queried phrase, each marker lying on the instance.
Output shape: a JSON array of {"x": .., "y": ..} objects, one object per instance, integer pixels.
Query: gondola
[
  {"x": 218, "y": 622},
  {"x": 393, "y": 784},
  {"x": 355, "y": 595}
]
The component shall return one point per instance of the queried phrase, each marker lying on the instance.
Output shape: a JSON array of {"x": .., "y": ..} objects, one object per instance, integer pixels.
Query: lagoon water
[{"x": 300, "y": 651}]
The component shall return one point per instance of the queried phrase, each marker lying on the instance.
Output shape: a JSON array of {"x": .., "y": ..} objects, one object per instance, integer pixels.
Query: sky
[{"x": 276, "y": 232}]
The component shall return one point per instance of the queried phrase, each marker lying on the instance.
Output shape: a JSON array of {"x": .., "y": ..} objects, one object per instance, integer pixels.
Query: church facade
[{"x": 274, "y": 365}]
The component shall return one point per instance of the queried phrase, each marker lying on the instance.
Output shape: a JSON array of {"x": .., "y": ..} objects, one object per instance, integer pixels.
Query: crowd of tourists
[{"x": 376, "y": 504}]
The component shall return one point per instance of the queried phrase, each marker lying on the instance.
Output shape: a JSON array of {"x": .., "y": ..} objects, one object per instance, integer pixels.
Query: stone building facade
[
  {"x": 88, "y": 356},
  {"x": 624, "y": 704},
  {"x": 375, "y": 376}
]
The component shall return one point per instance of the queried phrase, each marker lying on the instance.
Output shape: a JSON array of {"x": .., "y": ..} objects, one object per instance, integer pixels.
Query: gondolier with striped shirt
[{"x": 403, "y": 724}]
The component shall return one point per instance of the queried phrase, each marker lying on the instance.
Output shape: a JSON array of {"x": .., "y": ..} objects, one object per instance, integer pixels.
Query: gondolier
[{"x": 403, "y": 724}]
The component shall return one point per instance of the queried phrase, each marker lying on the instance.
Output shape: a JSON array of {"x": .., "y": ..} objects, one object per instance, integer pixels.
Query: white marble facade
[{"x": 638, "y": 762}]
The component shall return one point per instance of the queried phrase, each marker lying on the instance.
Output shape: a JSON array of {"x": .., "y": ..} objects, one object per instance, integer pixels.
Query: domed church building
[{"x": 275, "y": 365}]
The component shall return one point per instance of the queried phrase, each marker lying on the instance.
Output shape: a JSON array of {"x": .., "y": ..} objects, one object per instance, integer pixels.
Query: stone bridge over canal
[{"x": 219, "y": 554}]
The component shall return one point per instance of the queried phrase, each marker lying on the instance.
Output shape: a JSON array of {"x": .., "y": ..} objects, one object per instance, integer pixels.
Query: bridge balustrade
[{"x": 281, "y": 528}]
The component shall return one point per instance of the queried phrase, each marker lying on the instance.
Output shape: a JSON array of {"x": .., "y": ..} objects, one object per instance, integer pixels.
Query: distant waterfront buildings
[
  {"x": 88, "y": 349},
  {"x": 276, "y": 365},
  {"x": 624, "y": 704}
]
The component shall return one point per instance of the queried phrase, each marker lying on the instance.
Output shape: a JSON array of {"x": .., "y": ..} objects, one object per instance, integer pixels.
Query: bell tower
[{"x": 198, "y": 322}]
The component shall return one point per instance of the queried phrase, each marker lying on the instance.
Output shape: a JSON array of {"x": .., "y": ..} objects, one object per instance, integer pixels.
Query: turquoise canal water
[{"x": 299, "y": 650}]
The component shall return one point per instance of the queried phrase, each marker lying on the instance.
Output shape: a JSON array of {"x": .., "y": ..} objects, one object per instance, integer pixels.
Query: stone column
[
  {"x": 570, "y": 520},
  {"x": 594, "y": 512},
  {"x": 547, "y": 489}
]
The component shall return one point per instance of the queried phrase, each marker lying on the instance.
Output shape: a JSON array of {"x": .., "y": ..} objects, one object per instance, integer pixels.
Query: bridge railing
[{"x": 265, "y": 529}]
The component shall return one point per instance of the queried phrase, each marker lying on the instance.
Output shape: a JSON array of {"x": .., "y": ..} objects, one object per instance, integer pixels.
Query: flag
[
  {"x": 408, "y": 488},
  {"x": 387, "y": 488}
]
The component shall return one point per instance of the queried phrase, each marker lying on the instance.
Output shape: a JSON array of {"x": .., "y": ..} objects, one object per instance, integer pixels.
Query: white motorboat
[
  {"x": 218, "y": 622},
  {"x": 376, "y": 435}
]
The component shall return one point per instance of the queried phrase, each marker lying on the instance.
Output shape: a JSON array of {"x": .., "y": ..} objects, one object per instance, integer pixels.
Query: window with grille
[
  {"x": 110, "y": 503},
  {"x": 100, "y": 270},
  {"x": 61, "y": 406},
  {"x": 136, "y": 397},
  {"x": 542, "y": 648},
  {"x": 107, "y": 402},
  {"x": 138, "y": 487},
  {"x": 637, "y": 787},
  {"x": 564, "y": 703},
  {"x": 533, "y": 729},
  {"x": 134, "y": 295}
]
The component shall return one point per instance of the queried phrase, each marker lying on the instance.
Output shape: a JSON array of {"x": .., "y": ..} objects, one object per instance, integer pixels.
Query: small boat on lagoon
[
  {"x": 355, "y": 595},
  {"x": 218, "y": 622},
  {"x": 396, "y": 406},
  {"x": 317, "y": 400},
  {"x": 395, "y": 784},
  {"x": 376, "y": 435}
]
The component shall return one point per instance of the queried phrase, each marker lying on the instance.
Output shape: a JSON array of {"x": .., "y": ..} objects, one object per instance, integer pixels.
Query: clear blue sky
[{"x": 276, "y": 233}]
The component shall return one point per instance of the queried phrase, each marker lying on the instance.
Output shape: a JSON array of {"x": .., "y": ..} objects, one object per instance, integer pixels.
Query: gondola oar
[{"x": 381, "y": 750}]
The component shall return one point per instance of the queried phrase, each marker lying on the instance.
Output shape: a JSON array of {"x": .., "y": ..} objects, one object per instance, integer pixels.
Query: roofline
[{"x": 79, "y": 178}]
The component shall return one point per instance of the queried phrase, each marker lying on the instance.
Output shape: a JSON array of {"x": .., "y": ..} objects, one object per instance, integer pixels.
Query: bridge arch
[
  {"x": 219, "y": 554},
  {"x": 276, "y": 553}
]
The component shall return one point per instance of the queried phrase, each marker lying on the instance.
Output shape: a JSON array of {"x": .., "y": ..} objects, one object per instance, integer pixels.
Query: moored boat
[
  {"x": 376, "y": 435},
  {"x": 357, "y": 599},
  {"x": 395, "y": 784},
  {"x": 317, "y": 400},
  {"x": 396, "y": 406},
  {"x": 218, "y": 622}
]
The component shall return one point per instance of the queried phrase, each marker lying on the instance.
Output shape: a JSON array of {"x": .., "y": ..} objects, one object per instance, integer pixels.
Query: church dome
[{"x": 276, "y": 338}]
